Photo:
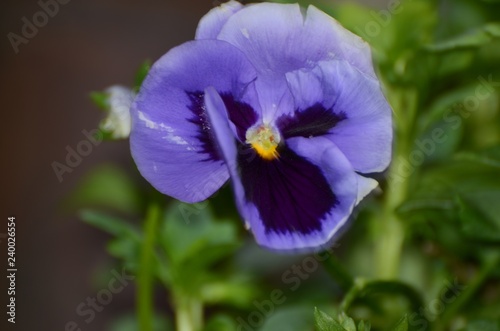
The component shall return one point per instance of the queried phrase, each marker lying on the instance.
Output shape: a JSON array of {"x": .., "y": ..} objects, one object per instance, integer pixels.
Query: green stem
[
  {"x": 188, "y": 313},
  {"x": 145, "y": 275},
  {"x": 338, "y": 272},
  {"x": 389, "y": 234},
  {"x": 368, "y": 289},
  {"x": 356, "y": 288}
]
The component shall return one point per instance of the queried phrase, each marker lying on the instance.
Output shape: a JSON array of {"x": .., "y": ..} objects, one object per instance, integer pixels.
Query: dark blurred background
[{"x": 87, "y": 46}]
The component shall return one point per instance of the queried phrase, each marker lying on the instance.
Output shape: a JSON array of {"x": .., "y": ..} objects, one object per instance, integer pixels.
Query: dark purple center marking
[
  {"x": 204, "y": 134},
  {"x": 290, "y": 193},
  {"x": 240, "y": 113},
  {"x": 311, "y": 122}
]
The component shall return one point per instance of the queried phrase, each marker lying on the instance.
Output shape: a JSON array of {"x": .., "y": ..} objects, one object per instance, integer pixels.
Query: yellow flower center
[{"x": 264, "y": 140}]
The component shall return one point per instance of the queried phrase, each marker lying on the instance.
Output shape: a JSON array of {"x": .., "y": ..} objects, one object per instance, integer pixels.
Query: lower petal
[
  {"x": 296, "y": 202},
  {"x": 314, "y": 192},
  {"x": 365, "y": 186}
]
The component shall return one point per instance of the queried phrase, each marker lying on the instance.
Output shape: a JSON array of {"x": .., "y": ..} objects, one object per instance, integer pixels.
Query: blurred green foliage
[{"x": 439, "y": 62}]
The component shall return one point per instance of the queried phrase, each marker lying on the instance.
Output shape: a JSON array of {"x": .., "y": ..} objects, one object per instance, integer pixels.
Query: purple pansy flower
[{"x": 284, "y": 102}]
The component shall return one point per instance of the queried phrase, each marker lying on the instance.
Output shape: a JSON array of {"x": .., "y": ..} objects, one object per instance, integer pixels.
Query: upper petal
[
  {"x": 171, "y": 141},
  {"x": 268, "y": 34},
  {"x": 344, "y": 44},
  {"x": 211, "y": 24},
  {"x": 279, "y": 38}
]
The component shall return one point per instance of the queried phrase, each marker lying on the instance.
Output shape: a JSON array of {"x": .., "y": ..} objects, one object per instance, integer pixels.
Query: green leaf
[
  {"x": 438, "y": 142},
  {"x": 402, "y": 324},
  {"x": 298, "y": 318},
  {"x": 364, "y": 326},
  {"x": 490, "y": 157},
  {"x": 346, "y": 322},
  {"x": 221, "y": 323},
  {"x": 395, "y": 36},
  {"x": 106, "y": 186},
  {"x": 237, "y": 291},
  {"x": 325, "y": 322},
  {"x": 482, "y": 325},
  {"x": 126, "y": 249},
  {"x": 141, "y": 74},
  {"x": 127, "y": 242},
  {"x": 459, "y": 201},
  {"x": 192, "y": 242},
  {"x": 101, "y": 100},
  {"x": 475, "y": 39},
  {"x": 338, "y": 272},
  {"x": 190, "y": 231},
  {"x": 475, "y": 223},
  {"x": 446, "y": 107},
  {"x": 110, "y": 224}
]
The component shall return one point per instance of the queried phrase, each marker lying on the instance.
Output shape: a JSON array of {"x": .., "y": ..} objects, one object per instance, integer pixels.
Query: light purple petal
[
  {"x": 365, "y": 186},
  {"x": 211, "y": 24},
  {"x": 344, "y": 44},
  {"x": 274, "y": 97},
  {"x": 224, "y": 134},
  {"x": 279, "y": 38},
  {"x": 218, "y": 116},
  {"x": 307, "y": 88},
  {"x": 171, "y": 139},
  {"x": 269, "y": 34},
  {"x": 365, "y": 135}
]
